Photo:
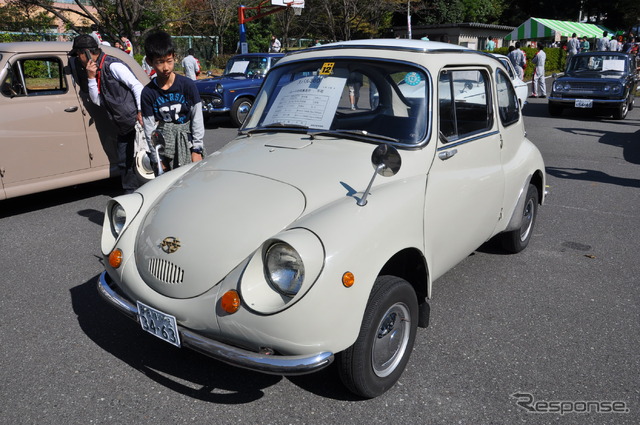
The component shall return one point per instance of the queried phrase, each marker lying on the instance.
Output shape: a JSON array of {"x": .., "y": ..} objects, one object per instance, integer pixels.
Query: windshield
[
  {"x": 364, "y": 97},
  {"x": 600, "y": 63},
  {"x": 254, "y": 65}
]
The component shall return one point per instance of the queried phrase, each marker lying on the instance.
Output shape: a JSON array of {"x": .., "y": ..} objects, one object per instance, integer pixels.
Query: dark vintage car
[
  {"x": 234, "y": 92},
  {"x": 603, "y": 80}
]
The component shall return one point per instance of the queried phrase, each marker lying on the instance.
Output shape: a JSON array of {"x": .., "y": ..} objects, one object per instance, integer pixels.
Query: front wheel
[
  {"x": 240, "y": 110},
  {"x": 621, "y": 111},
  {"x": 375, "y": 362},
  {"x": 517, "y": 240}
]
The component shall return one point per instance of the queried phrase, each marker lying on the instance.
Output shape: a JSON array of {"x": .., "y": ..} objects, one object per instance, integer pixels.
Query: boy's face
[{"x": 163, "y": 65}]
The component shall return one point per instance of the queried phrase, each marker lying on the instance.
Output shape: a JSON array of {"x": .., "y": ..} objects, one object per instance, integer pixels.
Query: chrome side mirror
[{"x": 386, "y": 161}]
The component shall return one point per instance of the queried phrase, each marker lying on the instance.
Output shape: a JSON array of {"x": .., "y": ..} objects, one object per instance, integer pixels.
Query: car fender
[{"x": 329, "y": 315}]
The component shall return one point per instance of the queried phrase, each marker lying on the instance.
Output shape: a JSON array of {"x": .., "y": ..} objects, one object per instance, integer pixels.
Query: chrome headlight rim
[
  {"x": 117, "y": 218},
  {"x": 219, "y": 88},
  {"x": 283, "y": 268}
]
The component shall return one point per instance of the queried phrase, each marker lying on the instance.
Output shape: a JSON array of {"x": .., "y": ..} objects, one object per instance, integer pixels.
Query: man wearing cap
[{"x": 113, "y": 86}]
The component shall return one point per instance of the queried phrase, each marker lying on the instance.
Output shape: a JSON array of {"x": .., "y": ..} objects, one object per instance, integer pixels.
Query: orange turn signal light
[
  {"x": 348, "y": 279},
  {"x": 230, "y": 301},
  {"x": 115, "y": 258}
]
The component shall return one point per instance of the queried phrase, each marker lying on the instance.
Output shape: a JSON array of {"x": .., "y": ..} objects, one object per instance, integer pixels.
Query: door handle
[
  {"x": 71, "y": 109},
  {"x": 444, "y": 155}
]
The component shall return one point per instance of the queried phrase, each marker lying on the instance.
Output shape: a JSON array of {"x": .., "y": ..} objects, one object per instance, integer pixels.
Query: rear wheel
[
  {"x": 555, "y": 110},
  {"x": 240, "y": 110},
  {"x": 517, "y": 240},
  {"x": 375, "y": 362}
]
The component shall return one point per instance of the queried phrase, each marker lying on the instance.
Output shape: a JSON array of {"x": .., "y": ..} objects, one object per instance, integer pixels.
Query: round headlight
[
  {"x": 616, "y": 88},
  {"x": 283, "y": 268},
  {"x": 118, "y": 219},
  {"x": 219, "y": 88}
]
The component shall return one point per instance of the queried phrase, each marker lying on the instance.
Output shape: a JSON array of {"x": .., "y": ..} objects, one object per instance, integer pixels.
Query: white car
[
  {"x": 316, "y": 235},
  {"x": 521, "y": 87}
]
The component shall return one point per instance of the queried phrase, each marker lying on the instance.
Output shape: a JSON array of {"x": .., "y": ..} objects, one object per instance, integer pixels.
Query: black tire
[
  {"x": 240, "y": 110},
  {"x": 621, "y": 111},
  {"x": 517, "y": 240},
  {"x": 555, "y": 110},
  {"x": 375, "y": 362}
]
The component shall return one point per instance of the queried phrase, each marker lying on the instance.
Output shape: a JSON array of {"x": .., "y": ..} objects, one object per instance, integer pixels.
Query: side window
[
  {"x": 35, "y": 77},
  {"x": 464, "y": 102},
  {"x": 43, "y": 76},
  {"x": 508, "y": 107}
]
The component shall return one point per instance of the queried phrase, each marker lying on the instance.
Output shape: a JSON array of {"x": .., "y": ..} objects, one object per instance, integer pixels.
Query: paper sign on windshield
[
  {"x": 239, "y": 67},
  {"x": 309, "y": 101},
  {"x": 613, "y": 65}
]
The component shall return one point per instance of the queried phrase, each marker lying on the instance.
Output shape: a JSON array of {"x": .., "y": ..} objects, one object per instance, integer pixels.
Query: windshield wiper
[
  {"x": 356, "y": 134},
  {"x": 280, "y": 126}
]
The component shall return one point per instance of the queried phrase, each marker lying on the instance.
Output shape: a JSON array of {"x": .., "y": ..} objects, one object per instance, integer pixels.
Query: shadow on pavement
[
  {"x": 182, "y": 370},
  {"x": 52, "y": 198}
]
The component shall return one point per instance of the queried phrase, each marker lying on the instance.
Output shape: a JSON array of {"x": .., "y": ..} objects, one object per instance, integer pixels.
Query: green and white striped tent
[{"x": 535, "y": 28}]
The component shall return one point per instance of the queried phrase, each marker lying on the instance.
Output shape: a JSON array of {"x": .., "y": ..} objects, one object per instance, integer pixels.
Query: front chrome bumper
[
  {"x": 570, "y": 101},
  {"x": 273, "y": 364}
]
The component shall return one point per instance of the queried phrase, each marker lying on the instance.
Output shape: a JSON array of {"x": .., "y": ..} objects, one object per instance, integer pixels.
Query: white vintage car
[{"x": 317, "y": 233}]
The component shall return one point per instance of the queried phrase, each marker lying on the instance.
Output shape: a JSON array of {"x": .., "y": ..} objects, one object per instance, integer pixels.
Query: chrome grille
[
  {"x": 586, "y": 86},
  {"x": 165, "y": 271}
]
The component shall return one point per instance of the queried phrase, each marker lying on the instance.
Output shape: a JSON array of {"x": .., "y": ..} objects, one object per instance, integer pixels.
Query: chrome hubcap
[
  {"x": 243, "y": 111},
  {"x": 527, "y": 220},
  {"x": 391, "y": 340}
]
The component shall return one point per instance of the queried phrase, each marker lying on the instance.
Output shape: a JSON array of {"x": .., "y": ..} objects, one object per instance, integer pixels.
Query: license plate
[
  {"x": 159, "y": 324},
  {"x": 584, "y": 103}
]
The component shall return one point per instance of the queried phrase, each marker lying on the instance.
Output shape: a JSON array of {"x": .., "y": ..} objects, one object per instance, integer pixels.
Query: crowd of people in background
[{"x": 626, "y": 43}]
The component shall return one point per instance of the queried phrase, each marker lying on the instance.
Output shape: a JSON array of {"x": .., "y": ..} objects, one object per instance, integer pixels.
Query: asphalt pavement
[{"x": 549, "y": 335}]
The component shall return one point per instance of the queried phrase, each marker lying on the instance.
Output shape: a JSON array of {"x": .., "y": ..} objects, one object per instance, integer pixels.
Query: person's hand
[
  {"x": 195, "y": 157},
  {"x": 92, "y": 69},
  {"x": 139, "y": 118}
]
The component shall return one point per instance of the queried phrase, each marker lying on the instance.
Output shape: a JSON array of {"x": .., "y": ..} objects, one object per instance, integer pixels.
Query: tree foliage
[{"x": 325, "y": 20}]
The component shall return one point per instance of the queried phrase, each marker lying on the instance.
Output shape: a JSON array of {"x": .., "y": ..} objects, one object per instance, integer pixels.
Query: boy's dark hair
[
  {"x": 158, "y": 45},
  {"x": 191, "y": 52}
]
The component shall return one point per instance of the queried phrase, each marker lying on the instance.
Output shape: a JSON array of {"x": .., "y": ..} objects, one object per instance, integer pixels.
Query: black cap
[{"x": 83, "y": 42}]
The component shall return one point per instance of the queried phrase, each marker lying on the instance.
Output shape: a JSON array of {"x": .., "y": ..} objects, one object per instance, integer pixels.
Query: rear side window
[
  {"x": 508, "y": 107},
  {"x": 464, "y": 102}
]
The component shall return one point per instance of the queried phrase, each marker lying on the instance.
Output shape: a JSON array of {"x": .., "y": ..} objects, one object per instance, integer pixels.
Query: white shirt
[
  {"x": 124, "y": 75},
  {"x": 190, "y": 65}
]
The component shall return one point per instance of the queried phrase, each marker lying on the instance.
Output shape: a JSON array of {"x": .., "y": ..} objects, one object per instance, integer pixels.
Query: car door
[
  {"x": 465, "y": 183},
  {"x": 42, "y": 132}
]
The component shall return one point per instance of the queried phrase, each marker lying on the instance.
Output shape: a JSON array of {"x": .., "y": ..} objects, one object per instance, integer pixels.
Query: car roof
[
  {"x": 394, "y": 44},
  {"x": 603, "y": 53},
  {"x": 36, "y": 46},
  {"x": 259, "y": 55}
]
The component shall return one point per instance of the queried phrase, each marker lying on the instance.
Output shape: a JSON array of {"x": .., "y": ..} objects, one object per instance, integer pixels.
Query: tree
[
  {"x": 115, "y": 18},
  {"x": 24, "y": 18}
]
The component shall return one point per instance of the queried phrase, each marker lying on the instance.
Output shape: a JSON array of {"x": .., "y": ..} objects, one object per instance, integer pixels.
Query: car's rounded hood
[
  {"x": 210, "y": 220},
  {"x": 222, "y": 210}
]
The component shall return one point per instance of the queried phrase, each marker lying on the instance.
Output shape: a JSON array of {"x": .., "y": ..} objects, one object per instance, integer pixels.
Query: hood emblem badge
[{"x": 170, "y": 244}]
